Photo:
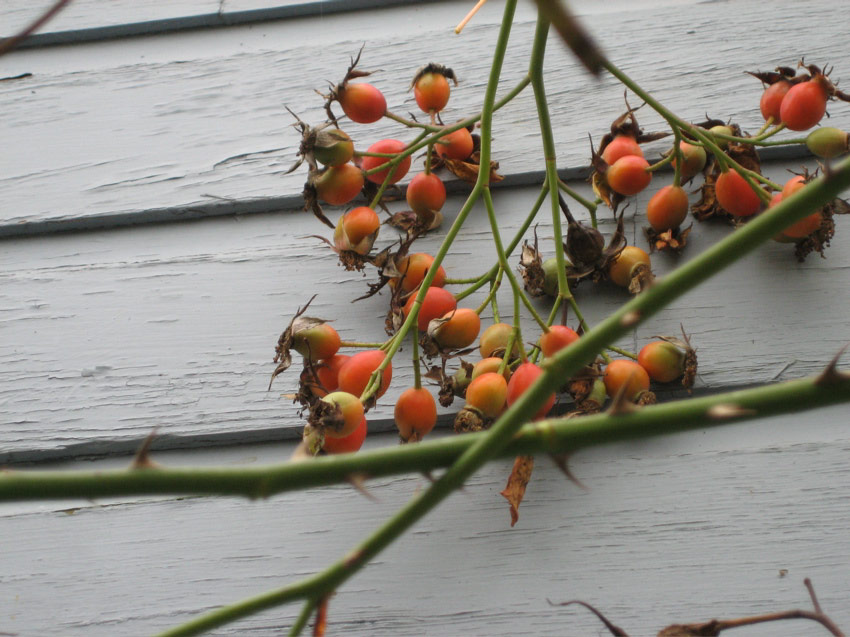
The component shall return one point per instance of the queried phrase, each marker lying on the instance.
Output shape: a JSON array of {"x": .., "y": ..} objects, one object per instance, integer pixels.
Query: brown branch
[{"x": 7, "y": 44}]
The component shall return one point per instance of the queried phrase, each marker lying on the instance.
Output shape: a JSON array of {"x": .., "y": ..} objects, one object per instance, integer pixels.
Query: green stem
[
  {"x": 417, "y": 379},
  {"x": 506, "y": 267},
  {"x": 493, "y": 290},
  {"x": 590, "y": 205},
  {"x": 303, "y": 617},
  {"x": 563, "y": 435}
]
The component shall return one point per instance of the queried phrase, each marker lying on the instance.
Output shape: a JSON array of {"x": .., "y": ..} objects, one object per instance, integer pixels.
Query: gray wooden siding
[{"x": 124, "y": 325}]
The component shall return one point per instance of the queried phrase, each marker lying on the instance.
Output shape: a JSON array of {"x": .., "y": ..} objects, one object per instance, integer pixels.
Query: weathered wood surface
[
  {"x": 681, "y": 528},
  {"x": 133, "y": 125},
  {"x": 107, "y": 334}
]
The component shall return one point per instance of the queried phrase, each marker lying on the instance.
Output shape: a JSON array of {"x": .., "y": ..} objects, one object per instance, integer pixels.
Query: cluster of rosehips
[
  {"x": 338, "y": 173},
  {"x": 734, "y": 188}
]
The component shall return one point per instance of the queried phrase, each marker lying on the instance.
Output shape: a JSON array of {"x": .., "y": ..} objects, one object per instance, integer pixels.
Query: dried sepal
[
  {"x": 283, "y": 356},
  {"x": 531, "y": 268},
  {"x": 673, "y": 240},
  {"x": 311, "y": 200},
  {"x": 470, "y": 419},
  {"x": 432, "y": 67},
  {"x": 514, "y": 491}
]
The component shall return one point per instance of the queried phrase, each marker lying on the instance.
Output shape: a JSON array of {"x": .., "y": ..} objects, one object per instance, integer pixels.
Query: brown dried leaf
[
  {"x": 468, "y": 171},
  {"x": 514, "y": 492}
]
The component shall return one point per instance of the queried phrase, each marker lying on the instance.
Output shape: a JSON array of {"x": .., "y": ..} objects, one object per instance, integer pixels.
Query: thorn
[
  {"x": 726, "y": 411},
  {"x": 358, "y": 481},
  {"x": 614, "y": 630},
  {"x": 142, "y": 458},
  {"x": 831, "y": 375},
  {"x": 560, "y": 460},
  {"x": 630, "y": 319}
]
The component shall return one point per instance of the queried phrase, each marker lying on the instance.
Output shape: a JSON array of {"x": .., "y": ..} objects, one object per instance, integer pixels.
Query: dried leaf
[{"x": 514, "y": 492}]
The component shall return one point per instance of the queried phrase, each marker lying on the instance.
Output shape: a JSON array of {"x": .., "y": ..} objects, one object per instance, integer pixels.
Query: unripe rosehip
[
  {"x": 695, "y": 158},
  {"x": 663, "y": 361},
  {"x": 333, "y": 147},
  {"x": 315, "y": 342},
  {"x": 346, "y": 420},
  {"x": 721, "y": 130},
  {"x": 827, "y": 142},
  {"x": 550, "y": 277},
  {"x": 357, "y": 230}
]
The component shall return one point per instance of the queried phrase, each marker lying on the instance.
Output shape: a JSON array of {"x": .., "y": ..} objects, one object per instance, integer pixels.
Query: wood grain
[{"x": 138, "y": 124}]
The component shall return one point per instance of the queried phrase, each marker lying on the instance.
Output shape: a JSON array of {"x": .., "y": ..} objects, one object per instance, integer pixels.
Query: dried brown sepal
[
  {"x": 612, "y": 628},
  {"x": 432, "y": 67},
  {"x": 531, "y": 268},
  {"x": 351, "y": 73},
  {"x": 673, "y": 240},
  {"x": 772, "y": 77},
  {"x": 514, "y": 491},
  {"x": 646, "y": 398},
  {"x": 311, "y": 201},
  {"x": 642, "y": 279},
  {"x": 283, "y": 357},
  {"x": 325, "y": 416},
  {"x": 468, "y": 170},
  {"x": 820, "y": 238},
  {"x": 585, "y": 248},
  {"x": 348, "y": 259},
  {"x": 580, "y": 386},
  {"x": 469, "y": 419}
]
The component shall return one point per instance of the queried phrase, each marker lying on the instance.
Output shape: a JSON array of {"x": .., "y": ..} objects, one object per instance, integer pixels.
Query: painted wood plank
[
  {"x": 109, "y": 334},
  {"x": 149, "y": 123},
  {"x": 681, "y": 528}
]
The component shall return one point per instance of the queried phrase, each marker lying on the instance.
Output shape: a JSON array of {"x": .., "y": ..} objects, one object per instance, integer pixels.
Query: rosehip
[
  {"x": 386, "y": 147},
  {"x": 355, "y": 372},
  {"x": 628, "y": 373},
  {"x": 663, "y": 361},
  {"x": 667, "y": 208},
  {"x": 694, "y": 159},
  {"x": 494, "y": 340},
  {"x": 357, "y": 230},
  {"x": 338, "y": 185},
  {"x": 621, "y": 146},
  {"x": 432, "y": 91},
  {"x": 333, "y": 147},
  {"x": 522, "y": 378},
  {"x": 351, "y": 413},
  {"x": 317, "y": 342},
  {"x": 488, "y": 393},
  {"x": 557, "y": 338},
  {"x": 347, "y": 444},
  {"x": 426, "y": 194},
  {"x": 460, "y": 329},
  {"x": 623, "y": 269},
  {"x": 415, "y": 413},
  {"x": 827, "y": 142},
  {"x": 804, "y": 105},
  {"x": 628, "y": 175},
  {"x": 362, "y": 102},
  {"x": 455, "y": 145},
  {"x": 735, "y": 195},
  {"x": 414, "y": 267},
  {"x": 436, "y": 303}
]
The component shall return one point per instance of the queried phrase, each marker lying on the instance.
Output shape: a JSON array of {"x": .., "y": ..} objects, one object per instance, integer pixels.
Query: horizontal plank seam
[
  {"x": 210, "y": 21},
  {"x": 289, "y": 203},
  {"x": 104, "y": 448}
]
